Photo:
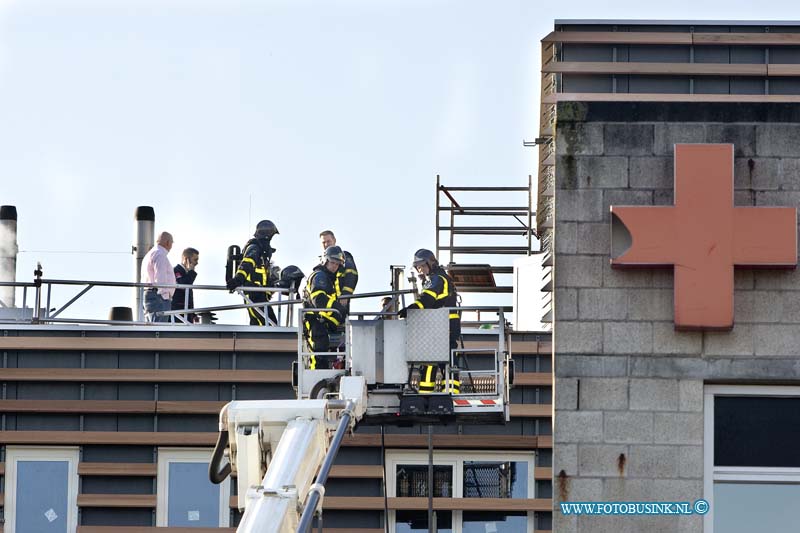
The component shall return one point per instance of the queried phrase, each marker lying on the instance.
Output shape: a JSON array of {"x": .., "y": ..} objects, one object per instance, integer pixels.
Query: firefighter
[
  {"x": 438, "y": 290},
  {"x": 347, "y": 276},
  {"x": 320, "y": 293},
  {"x": 254, "y": 270}
]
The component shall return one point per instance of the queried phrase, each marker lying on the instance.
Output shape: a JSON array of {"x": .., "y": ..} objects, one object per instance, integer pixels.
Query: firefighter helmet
[
  {"x": 425, "y": 257},
  {"x": 333, "y": 253},
  {"x": 291, "y": 275},
  {"x": 265, "y": 230}
]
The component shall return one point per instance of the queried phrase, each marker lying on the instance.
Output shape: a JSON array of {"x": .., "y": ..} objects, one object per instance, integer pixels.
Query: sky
[{"x": 334, "y": 114}]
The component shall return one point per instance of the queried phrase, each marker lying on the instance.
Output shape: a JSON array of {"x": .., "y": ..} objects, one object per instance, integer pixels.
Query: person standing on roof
[
  {"x": 156, "y": 269},
  {"x": 347, "y": 276},
  {"x": 254, "y": 270},
  {"x": 320, "y": 293},
  {"x": 185, "y": 274}
]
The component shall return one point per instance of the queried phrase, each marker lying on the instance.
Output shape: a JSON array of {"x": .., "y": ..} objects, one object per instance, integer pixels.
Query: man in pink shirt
[{"x": 157, "y": 269}]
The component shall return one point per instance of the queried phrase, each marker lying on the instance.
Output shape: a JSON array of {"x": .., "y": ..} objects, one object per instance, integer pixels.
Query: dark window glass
[
  {"x": 586, "y": 83},
  {"x": 784, "y": 54},
  {"x": 756, "y": 431},
  {"x": 658, "y": 84},
  {"x": 544, "y": 488},
  {"x": 417, "y": 521},
  {"x": 712, "y": 54},
  {"x": 712, "y": 85},
  {"x": 412, "y": 481},
  {"x": 747, "y": 85},
  {"x": 544, "y": 521},
  {"x": 587, "y": 52},
  {"x": 787, "y": 85},
  {"x": 747, "y": 54},
  {"x": 648, "y": 53},
  {"x": 494, "y": 479},
  {"x": 475, "y": 522}
]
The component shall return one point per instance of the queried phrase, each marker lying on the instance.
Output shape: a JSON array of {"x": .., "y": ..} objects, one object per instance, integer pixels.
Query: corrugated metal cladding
[{"x": 120, "y": 395}]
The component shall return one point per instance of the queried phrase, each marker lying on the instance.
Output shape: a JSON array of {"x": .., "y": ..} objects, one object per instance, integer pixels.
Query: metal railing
[
  {"x": 40, "y": 304},
  {"x": 43, "y": 311}
]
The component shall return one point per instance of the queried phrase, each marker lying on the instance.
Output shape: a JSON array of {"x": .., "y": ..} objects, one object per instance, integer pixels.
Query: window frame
[
  {"x": 70, "y": 454},
  {"x": 732, "y": 474},
  {"x": 166, "y": 456},
  {"x": 456, "y": 459}
]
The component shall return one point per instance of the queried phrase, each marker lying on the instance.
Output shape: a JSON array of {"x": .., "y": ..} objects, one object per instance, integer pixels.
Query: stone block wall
[{"x": 628, "y": 400}]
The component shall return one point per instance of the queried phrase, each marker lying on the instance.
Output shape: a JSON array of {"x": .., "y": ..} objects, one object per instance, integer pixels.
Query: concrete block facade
[{"x": 631, "y": 425}]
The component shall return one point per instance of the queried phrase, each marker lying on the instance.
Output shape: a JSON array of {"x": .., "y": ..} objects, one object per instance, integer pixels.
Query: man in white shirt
[{"x": 157, "y": 269}]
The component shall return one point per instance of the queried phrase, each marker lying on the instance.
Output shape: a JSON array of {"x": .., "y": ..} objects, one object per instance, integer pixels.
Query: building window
[
  {"x": 752, "y": 469},
  {"x": 41, "y": 490},
  {"x": 461, "y": 475},
  {"x": 186, "y": 497}
]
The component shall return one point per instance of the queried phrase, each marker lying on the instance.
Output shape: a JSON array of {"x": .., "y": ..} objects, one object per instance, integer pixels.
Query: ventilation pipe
[
  {"x": 144, "y": 238},
  {"x": 8, "y": 253}
]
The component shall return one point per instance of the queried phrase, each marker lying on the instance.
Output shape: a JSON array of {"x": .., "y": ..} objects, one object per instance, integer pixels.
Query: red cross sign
[{"x": 703, "y": 236}]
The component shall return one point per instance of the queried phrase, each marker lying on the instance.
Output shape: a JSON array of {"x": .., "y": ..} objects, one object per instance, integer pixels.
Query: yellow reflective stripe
[
  {"x": 313, "y": 362},
  {"x": 309, "y": 338},
  {"x": 433, "y": 294},
  {"x": 348, "y": 289},
  {"x": 445, "y": 291},
  {"x": 258, "y": 270},
  {"x": 427, "y": 382},
  {"x": 316, "y": 293},
  {"x": 329, "y": 316},
  {"x": 351, "y": 271},
  {"x": 418, "y": 304},
  {"x": 454, "y": 315},
  {"x": 255, "y": 315}
]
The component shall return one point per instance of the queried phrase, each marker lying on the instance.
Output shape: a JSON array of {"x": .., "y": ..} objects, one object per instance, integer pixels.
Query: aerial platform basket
[{"x": 472, "y": 383}]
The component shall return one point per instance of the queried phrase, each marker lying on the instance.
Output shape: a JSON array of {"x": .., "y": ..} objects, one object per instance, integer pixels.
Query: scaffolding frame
[{"x": 516, "y": 221}]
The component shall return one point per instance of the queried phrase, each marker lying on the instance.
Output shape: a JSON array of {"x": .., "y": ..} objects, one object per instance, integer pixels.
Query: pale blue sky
[{"x": 328, "y": 114}]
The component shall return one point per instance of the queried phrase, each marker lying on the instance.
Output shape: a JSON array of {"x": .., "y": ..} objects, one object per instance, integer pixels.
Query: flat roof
[{"x": 625, "y": 22}]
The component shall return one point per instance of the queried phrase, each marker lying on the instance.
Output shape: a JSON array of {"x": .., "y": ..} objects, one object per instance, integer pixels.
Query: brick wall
[{"x": 629, "y": 388}]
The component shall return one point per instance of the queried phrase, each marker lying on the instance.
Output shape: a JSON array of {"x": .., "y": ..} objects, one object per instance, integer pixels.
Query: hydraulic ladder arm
[{"x": 278, "y": 447}]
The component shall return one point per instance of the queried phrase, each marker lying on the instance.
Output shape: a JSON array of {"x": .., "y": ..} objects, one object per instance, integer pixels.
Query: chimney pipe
[
  {"x": 144, "y": 238},
  {"x": 8, "y": 253}
]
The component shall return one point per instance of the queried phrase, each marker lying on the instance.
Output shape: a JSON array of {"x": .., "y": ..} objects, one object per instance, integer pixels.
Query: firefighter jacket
[
  {"x": 254, "y": 267},
  {"x": 320, "y": 293},
  {"x": 347, "y": 276},
  {"x": 439, "y": 291}
]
